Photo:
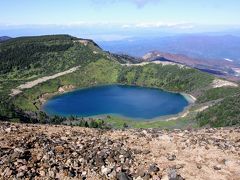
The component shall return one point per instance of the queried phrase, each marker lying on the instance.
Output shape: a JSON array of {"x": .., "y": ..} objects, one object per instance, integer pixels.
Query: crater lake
[{"x": 138, "y": 103}]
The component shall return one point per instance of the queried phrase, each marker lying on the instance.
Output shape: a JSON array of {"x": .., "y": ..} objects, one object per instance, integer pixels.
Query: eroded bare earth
[
  {"x": 64, "y": 152},
  {"x": 31, "y": 84}
]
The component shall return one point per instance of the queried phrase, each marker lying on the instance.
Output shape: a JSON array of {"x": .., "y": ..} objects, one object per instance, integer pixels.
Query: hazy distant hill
[
  {"x": 4, "y": 38},
  {"x": 225, "y": 48},
  {"x": 226, "y": 69}
]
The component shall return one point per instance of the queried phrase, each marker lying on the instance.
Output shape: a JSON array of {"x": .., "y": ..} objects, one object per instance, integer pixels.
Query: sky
[{"x": 116, "y": 17}]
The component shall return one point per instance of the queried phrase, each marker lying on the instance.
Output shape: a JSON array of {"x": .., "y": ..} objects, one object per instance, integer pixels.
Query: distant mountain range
[
  {"x": 4, "y": 38},
  {"x": 216, "y": 48},
  {"x": 226, "y": 69},
  {"x": 219, "y": 55}
]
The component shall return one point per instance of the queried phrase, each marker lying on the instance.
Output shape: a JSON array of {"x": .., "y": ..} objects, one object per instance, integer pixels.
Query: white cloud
[
  {"x": 108, "y": 37},
  {"x": 105, "y": 25},
  {"x": 141, "y": 3},
  {"x": 181, "y": 25},
  {"x": 138, "y": 3},
  {"x": 64, "y": 24},
  {"x": 227, "y": 59}
]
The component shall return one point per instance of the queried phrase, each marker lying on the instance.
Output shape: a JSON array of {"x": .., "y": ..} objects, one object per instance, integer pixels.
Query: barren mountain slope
[{"x": 64, "y": 152}]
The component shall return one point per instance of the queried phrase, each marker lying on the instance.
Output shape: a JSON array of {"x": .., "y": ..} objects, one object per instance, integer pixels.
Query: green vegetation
[
  {"x": 111, "y": 72},
  {"x": 43, "y": 118},
  {"x": 28, "y": 58},
  {"x": 6, "y": 108},
  {"x": 119, "y": 122},
  {"x": 217, "y": 93},
  {"x": 225, "y": 113},
  {"x": 168, "y": 77},
  {"x": 225, "y": 110},
  {"x": 95, "y": 73},
  {"x": 31, "y": 57},
  {"x": 91, "y": 123}
]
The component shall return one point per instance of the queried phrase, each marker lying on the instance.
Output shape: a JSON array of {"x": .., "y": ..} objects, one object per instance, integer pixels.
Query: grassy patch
[{"x": 120, "y": 122}]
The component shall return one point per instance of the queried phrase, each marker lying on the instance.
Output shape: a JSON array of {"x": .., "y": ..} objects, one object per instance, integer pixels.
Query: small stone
[
  {"x": 59, "y": 149},
  {"x": 45, "y": 157},
  {"x": 165, "y": 177},
  {"x": 7, "y": 172},
  {"x": 140, "y": 172},
  {"x": 123, "y": 176},
  {"x": 113, "y": 174},
  {"x": 137, "y": 151},
  {"x": 199, "y": 166},
  {"x": 145, "y": 151},
  {"x": 147, "y": 176},
  {"x": 71, "y": 173},
  {"x": 42, "y": 173},
  {"x": 172, "y": 174},
  {"x": 19, "y": 150},
  {"x": 64, "y": 138},
  {"x": 153, "y": 168},
  {"x": 179, "y": 166},
  {"x": 26, "y": 155},
  {"x": 105, "y": 170},
  {"x": 74, "y": 154},
  {"x": 84, "y": 173},
  {"x": 111, "y": 160},
  {"x": 144, "y": 132},
  {"x": 23, "y": 168},
  {"x": 171, "y": 157},
  {"x": 20, "y": 174},
  {"x": 155, "y": 177},
  {"x": 52, "y": 174},
  {"x": 217, "y": 167},
  {"x": 8, "y": 130},
  {"x": 118, "y": 169}
]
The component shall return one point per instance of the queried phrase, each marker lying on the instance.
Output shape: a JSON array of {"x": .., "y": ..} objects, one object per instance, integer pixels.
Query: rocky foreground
[{"x": 64, "y": 152}]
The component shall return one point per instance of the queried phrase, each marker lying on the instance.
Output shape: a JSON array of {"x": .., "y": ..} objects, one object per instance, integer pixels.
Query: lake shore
[
  {"x": 190, "y": 98},
  {"x": 120, "y": 120},
  {"x": 137, "y": 103}
]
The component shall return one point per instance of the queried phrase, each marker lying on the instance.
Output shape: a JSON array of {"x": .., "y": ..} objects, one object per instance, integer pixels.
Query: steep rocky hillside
[{"x": 64, "y": 152}]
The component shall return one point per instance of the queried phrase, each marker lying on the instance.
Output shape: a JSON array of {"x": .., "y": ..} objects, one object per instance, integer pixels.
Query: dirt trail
[{"x": 31, "y": 84}]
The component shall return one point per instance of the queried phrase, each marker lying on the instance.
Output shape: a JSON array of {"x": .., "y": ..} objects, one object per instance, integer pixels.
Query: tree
[{"x": 125, "y": 125}]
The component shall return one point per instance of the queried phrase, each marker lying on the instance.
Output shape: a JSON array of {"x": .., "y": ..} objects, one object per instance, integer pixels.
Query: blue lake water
[{"x": 129, "y": 101}]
